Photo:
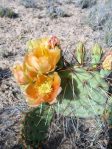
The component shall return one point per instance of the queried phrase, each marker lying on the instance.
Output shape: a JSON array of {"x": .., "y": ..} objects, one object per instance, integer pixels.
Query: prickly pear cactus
[
  {"x": 35, "y": 125},
  {"x": 85, "y": 91},
  {"x": 52, "y": 85}
]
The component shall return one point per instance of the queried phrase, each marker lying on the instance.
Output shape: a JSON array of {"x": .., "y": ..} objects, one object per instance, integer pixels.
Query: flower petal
[
  {"x": 31, "y": 62},
  {"x": 38, "y": 46},
  {"x": 32, "y": 91},
  {"x": 55, "y": 88},
  {"x": 44, "y": 65},
  {"x": 54, "y": 56},
  {"x": 107, "y": 62},
  {"x": 34, "y": 102},
  {"x": 19, "y": 74}
]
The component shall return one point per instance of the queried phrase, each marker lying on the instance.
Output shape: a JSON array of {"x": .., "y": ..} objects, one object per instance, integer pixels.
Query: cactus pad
[
  {"x": 85, "y": 95},
  {"x": 36, "y": 125}
]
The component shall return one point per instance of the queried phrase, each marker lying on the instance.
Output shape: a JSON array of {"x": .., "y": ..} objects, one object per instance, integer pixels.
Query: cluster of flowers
[{"x": 38, "y": 73}]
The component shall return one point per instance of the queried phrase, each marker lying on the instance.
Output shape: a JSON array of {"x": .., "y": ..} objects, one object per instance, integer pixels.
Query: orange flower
[
  {"x": 44, "y": 55},
  {"x": 39, "y": 85},
  {"x": 107, "y": 62},
  {"x": 44, "y": 89},
  {"x": 19, "y": 74}
]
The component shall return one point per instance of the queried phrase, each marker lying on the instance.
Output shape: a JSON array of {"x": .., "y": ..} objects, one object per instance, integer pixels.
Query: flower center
[{"x": 45, "y": 88}]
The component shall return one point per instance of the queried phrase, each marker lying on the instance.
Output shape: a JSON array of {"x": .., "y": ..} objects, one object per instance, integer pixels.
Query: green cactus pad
[
  {"x": 80, "y": 53},
  {"x": 84, "y": 94},
  {"x": 109, "y": 112},
  {"x": 36, "y": 124},
  {"x": 96, "y": 55},
  {"x": 104, "y": 73}
]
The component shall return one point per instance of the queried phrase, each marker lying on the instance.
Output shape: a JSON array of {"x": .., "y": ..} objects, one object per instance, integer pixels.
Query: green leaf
[
  {"x": 80, "y": 53},
  {"x": 96, "y": 54},
  {"x": 36, "y": 124}
]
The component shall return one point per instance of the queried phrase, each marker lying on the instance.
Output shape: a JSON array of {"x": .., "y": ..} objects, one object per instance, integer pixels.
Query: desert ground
[{"x": 35, "y": 22}]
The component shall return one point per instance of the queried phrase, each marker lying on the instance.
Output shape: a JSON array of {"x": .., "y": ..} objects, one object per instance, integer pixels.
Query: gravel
[{"x": 33, "y": 22}]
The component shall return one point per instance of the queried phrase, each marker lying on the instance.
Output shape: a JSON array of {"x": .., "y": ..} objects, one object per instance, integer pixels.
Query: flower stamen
[{"x": 45, "y": 88}]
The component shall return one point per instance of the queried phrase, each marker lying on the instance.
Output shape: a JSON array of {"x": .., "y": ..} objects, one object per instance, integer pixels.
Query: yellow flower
[
  {"x": 43, "y": 43},
  {"x": 44, "y": 89},
  {"x": 107, "y": 62},
  {"x": 19, "y": 74},
  {"x": 44, "y": 55}
]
